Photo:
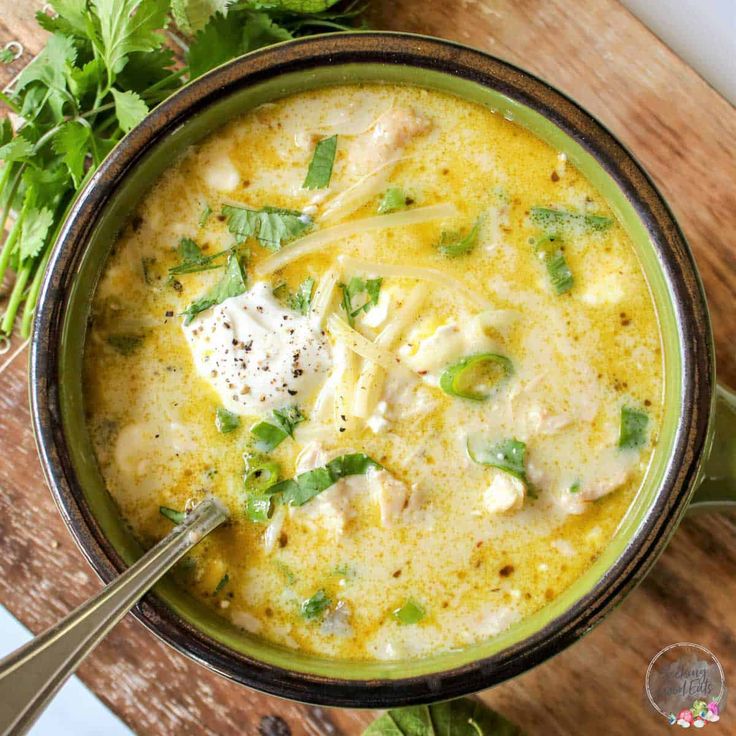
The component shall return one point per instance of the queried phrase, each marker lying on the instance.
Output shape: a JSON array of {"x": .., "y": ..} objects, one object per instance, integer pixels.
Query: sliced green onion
[
  {"x": 575, "y": 487},
  {"x": 476, "y": 376},
  {"x": 226, "y": 421},
  {"x": 410, "y": 613},
  {"x": 176, "y": 517},
  {"x": 314, "y": 607},
  {"x": 549, "y": 251},
  {"x": 261, "y": 473},
  {"x": 258, "y": 507},
  {"x": 633, "y": 431},
  {"x": 507, "y": 455}
]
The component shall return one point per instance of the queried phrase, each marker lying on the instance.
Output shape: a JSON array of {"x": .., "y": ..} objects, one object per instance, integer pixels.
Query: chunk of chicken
[
  {"x": 578, "y": 501},
  {"x": 385, "y": 140},
  {"x": 390, "y": 493},
  {"x": 505, "y": 493}
]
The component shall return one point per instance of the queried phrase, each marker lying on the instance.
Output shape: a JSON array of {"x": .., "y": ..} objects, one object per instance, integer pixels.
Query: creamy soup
[{"x": 405, "y": 342}]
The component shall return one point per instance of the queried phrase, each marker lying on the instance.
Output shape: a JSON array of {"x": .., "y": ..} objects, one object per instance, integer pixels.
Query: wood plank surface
[{"x": 684, "y": 133}]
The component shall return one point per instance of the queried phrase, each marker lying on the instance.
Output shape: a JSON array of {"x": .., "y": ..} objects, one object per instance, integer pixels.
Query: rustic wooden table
[{"x": 684, "y": 133}]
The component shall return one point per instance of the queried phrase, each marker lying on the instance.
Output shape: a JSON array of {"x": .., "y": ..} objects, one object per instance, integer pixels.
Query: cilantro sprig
[{"x": 105, "y": 65}]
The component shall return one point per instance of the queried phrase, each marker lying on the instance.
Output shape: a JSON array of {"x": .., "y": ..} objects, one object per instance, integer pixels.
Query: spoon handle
[{"x": 30, "y": 676}]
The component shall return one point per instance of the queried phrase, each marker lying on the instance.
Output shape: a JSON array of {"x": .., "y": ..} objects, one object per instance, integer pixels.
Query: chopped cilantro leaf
[
  {"x": 454, "y": 244},
  {"x": 125, "y": 343},
  {"x": 359, "y": 295},
  {"x": 231, "y": 284},
  {"x": 393, "y": 200},
  {"x": 315, "y": 607},
  {"x": 298, "y": 301},
  {"x": 271, "y": 433},
  {"x": 271, "y": 226},
  {"x": 193, "y": 260},
  {"x": 320, "y": 167}
]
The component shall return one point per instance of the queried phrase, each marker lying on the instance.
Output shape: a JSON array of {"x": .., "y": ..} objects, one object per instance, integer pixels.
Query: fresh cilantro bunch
[{"x": 104, "y": 66}]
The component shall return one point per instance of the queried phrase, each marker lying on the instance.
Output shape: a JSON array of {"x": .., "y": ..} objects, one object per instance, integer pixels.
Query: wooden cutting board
[{"x": 684, "y": 133}]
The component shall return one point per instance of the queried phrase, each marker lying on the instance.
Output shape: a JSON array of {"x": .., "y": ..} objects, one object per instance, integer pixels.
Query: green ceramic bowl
[{"x": 197, "y": 110}]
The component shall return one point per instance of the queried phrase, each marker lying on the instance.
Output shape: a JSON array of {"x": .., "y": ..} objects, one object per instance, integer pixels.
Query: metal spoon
[{"x": 31, "y": 676}]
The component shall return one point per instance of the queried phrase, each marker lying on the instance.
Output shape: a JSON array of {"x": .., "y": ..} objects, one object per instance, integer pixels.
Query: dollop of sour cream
[{"x": 257, "y": 353}]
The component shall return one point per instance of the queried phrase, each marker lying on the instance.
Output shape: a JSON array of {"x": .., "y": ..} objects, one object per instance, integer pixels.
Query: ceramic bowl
[{"x": 201, "y": 107}]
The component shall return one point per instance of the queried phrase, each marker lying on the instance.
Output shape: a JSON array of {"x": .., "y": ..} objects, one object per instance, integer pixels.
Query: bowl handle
[{"x": 717, "y": 490}]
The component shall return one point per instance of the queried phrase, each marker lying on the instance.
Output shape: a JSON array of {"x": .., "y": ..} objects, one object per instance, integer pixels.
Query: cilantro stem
[
  {"x": 163, "y": 82},
  {"x": 5, "y": 99},
  {"x": 6, "y": 212},
  {"x": 16, "y": 296},
  {"x": 9, "y": 244},
  {"x": 32, "y": 296}
]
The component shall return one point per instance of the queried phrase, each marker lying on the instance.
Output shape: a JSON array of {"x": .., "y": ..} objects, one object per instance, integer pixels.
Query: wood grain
[{"x": 684, "y": 133}]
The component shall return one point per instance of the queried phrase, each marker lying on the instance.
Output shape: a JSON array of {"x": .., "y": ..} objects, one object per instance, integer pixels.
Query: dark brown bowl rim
[{"x": 678, "y": 267}]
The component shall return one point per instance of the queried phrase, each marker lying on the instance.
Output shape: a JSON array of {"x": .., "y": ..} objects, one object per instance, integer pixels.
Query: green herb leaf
[
  {"x": 454, "y": 244},
  {"x": 271, "y": 433},
  {"x": 393, "y": 200},
  {"x": 224, "y": 580},
  {"x": 272, "y": 226},
  {"x": 35, "y": 228},
  {"x": 192, "y": 15},
  {"x": 553, "y": 220},
  {"x": 476, "y": 377},
  {"x": 18, "y": 149},
  {"x": 410, "y": 613},
  {"x": 231, "y": 284},
  {"x": 359, "y": 295},
  {"x": 633, "y": 433},
  {"x": 507, "y": 455},
  {"x": 206, "y": 212},
  {"x": 575, "y": 487},
  {"x": 261, "y": 473},
  {"x": 127, "y": 26},
  {"x": 125, "y": 343},
  {"x": 301, "y": 300},
  {"x": 193, "y": 260},
  {"x": 224, "y": 38},
  {"x": 71, "y": 143},
  {"x": 315, "y": 607},
  {"x": 177, "y": 517},
  {"x": 299, "y": 490},
  {"x": 129, "y": 108},
  {"x": 461, "y": 717},
  {"x": 226, "y": 421},
  {"x": 549, "y": 251},
  {"x": 320, "y": 167}
]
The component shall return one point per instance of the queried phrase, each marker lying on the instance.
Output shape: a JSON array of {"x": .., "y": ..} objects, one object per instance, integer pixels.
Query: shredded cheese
[
  {"x": 323, "y": 238},
  {"x": 370, "y": 383},
  {"x": 323, "y": 297},
  {"x": 415, "y": 272},
  {"x": 341, "y": 331}
]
